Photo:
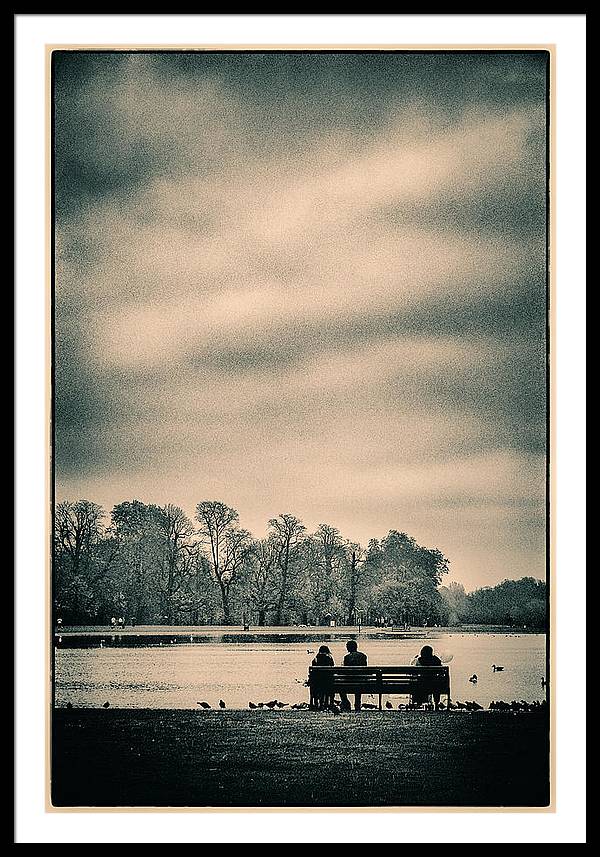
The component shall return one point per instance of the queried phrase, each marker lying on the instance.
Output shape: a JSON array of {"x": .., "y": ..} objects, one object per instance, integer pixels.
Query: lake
[{"x": 179, "y": 675}]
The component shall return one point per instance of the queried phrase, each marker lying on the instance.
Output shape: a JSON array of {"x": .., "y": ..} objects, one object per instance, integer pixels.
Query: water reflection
[{"x": 256, "y": 670}]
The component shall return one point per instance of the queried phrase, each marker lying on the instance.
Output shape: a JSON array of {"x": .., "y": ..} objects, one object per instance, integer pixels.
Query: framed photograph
[
  {"x": 301, "y": 417},
  {"x": 300, "y": 437}
]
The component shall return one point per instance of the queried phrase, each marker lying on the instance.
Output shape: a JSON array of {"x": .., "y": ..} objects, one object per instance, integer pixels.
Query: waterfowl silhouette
[
  {"x": 252, "y": 705},
  {"x": 473, "y": 678},
  {"x": 310, "y": 651},
  {"x": 203, "y": 704},
  {"x": 388, "y": 704},
  {"x": 271, "y": 704},
  {"x": 106, "y": 705},
  {"x": 497, "y": 669},
  {"x": 544, "y": 682},
  {"x": 222, "y": 704},
  {"x": 281, "y": 704}
]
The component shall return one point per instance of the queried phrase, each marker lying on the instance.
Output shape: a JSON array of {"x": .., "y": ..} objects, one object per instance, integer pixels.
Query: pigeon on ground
[
  {"x": 281, "y": 704},
  {"x": 106, "y": 705},
  {"x": 388, "y": 704},
  {"x": 203, "y": 704},
  {"x": 222, "y": 704},
  {"x": 252, "y": 705}
]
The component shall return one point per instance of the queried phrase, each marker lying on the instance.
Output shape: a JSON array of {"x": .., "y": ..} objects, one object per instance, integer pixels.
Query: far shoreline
[{"x": 324, "y": 632}]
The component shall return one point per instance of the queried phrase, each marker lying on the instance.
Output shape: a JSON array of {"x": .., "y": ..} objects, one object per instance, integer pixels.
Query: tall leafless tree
[
  {"x": 287, "y": 532},
  {"x": 262, "y": 583},
  {"x": 228, "y": 545}
]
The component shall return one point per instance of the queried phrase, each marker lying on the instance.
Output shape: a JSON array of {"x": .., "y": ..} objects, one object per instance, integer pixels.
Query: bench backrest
[{"x": 380, "y": 679}]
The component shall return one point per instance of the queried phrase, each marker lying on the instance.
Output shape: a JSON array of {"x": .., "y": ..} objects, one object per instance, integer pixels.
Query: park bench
[{"x": 417, "y": 681}]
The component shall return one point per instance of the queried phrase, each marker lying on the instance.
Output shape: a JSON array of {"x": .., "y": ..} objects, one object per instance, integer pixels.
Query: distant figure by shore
[{"x": 354, "y": 658}]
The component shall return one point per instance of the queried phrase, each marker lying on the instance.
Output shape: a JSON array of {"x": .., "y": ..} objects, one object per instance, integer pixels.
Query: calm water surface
[{"x": 180, "y": 676}]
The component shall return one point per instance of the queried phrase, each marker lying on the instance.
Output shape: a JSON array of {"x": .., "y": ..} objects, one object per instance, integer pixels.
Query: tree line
[{"x": 152, "y": 564}]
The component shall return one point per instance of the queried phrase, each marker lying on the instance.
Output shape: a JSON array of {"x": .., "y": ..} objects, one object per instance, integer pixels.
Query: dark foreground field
[{"x": 298, "y": 758}]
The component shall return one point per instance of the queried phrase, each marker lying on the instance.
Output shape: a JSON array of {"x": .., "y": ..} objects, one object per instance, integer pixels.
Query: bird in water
[
  {"x": 473, "y": 678},
  {"x": 388, "y": 704},
  {"x": 544, "y": 682},
  {"x": 203, "y": 704},
  {"x": 106, "y": 705},
  {"x": 222, "y": 704},
  {"x": 497, "y": 669},
  {"x": 310, "y": 651}
]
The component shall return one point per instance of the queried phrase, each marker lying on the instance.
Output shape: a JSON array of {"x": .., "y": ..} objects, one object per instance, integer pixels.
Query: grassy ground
[{"x": 298, "y": 758}]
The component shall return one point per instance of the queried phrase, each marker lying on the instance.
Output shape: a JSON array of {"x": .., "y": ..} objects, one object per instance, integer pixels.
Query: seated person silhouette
[
  {"x": 426, "y": 658},
  {"x": 354, "y": 658},
  {"x": 321, "y": 696}
]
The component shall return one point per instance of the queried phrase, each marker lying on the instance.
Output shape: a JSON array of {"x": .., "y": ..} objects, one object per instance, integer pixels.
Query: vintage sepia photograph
[{"x": 300, "y": 416}]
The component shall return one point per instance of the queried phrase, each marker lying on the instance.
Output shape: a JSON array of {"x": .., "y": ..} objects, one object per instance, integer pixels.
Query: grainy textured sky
[{"x": 308, "y": 283}]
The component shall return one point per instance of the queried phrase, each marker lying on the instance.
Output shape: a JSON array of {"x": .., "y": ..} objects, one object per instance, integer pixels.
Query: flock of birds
[{"x": 495, "y": 705}]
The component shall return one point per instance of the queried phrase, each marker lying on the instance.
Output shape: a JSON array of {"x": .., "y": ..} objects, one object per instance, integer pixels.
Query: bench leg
[{"x": 380, "y": 706}]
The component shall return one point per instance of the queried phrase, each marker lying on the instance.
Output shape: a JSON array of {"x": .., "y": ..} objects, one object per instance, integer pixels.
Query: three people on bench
[{"x": 321, "y": 697}]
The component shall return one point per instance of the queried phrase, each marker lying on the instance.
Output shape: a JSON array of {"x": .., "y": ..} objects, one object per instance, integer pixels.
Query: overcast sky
[{"x": 308, "y": 283}]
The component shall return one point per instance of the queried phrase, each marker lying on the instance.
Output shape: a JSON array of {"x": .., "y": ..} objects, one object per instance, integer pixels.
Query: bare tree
[
  {"x": 77, "y": 529},
  {"x": 178, "y": 531},
  {"x": 263, "y": 577},
  {"x": 288, "y": 532},
  {"x": 82, "y": 556},
  {"x": 228, "y": 545},
  {"x": 323, "y": 556},
  {"x": 353, "y": 573}
]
